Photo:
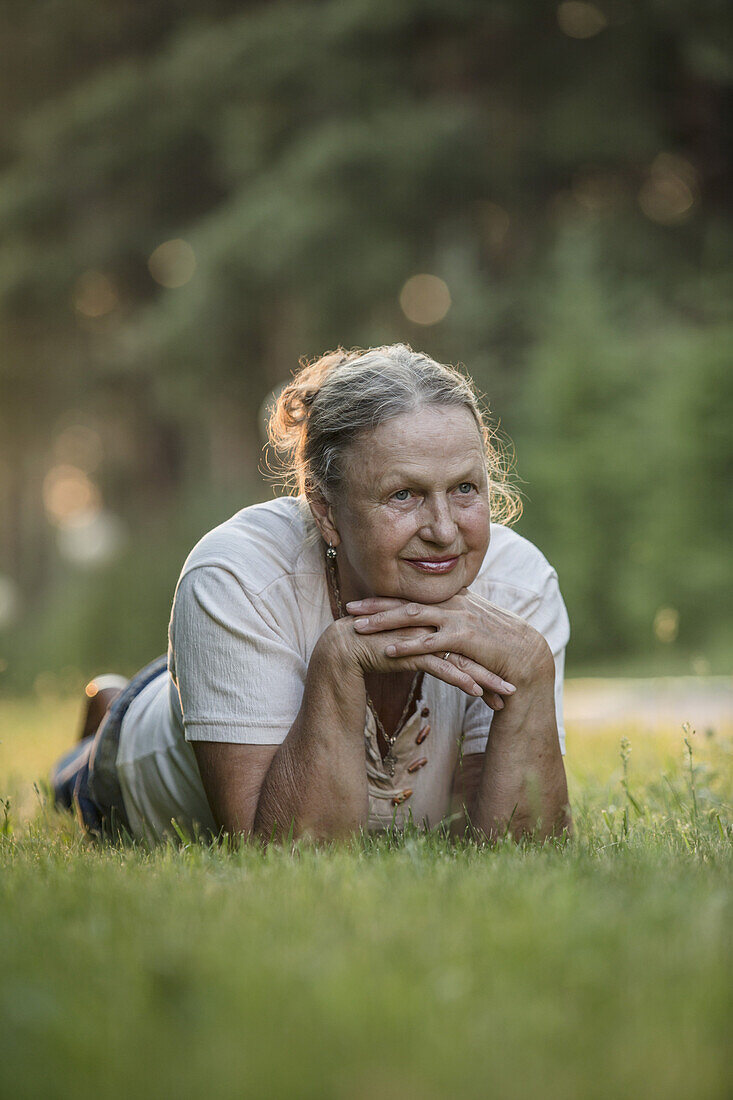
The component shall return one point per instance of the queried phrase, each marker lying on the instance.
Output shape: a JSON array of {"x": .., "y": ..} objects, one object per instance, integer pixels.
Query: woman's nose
[{"x": 439, "y": 525}]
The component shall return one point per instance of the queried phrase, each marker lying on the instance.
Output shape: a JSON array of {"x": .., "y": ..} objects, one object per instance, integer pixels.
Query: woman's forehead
[
  {"x": 435, "y": 424},
  {"x": 430, "y": 438}
]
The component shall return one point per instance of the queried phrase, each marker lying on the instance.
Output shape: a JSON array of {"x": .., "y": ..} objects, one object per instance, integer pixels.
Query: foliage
[{"x": 572, "y": 192}]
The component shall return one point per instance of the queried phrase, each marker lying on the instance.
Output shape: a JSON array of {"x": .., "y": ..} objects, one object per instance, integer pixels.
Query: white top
[{"x": 250, "y": 605}]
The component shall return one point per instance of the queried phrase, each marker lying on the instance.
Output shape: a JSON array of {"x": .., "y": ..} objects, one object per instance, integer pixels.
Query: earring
[{"x": 331, "y": 552}]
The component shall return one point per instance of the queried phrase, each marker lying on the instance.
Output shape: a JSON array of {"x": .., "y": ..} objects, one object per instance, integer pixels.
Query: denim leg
[
  {"x": 85, "y": 779},
  {"x": 70, "y": 784}
]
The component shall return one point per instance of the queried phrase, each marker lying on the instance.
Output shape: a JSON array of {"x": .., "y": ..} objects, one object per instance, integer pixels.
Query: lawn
[{"x": 394, "y": 968}]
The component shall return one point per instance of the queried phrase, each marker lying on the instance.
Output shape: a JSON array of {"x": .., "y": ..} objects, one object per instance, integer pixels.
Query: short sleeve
[
  {"x": 547, "y": 614},
  {"x": 239, "y": 674}
]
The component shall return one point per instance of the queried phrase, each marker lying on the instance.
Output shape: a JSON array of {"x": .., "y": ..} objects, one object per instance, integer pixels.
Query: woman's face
[{"x": 412, "y": 520}]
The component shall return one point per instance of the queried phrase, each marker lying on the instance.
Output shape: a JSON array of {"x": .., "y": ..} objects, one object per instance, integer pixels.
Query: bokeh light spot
[
  {"x": 68, "y": 493},
  {"x": 173, "y": 263},
  {"x": 580, "y": 20},
  {"x": 667, "y": 624},
  {"x": 667, "y": 196},
  {"x": 95, "y": 294},
  {"x": 92, "y": 538},
  {"x": 425, "y": 299},
  {"x": 79, "y": 446}
]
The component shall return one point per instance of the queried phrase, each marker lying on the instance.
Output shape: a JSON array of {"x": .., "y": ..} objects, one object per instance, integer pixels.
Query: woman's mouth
[{"x": 433, "y": 565}]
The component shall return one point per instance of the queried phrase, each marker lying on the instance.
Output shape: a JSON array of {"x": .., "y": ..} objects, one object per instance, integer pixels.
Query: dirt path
[{"x": 704, "y": 702}]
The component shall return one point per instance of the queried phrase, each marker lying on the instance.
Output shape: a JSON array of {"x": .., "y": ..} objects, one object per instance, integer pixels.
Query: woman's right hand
[{"x": 352, "y": 652}]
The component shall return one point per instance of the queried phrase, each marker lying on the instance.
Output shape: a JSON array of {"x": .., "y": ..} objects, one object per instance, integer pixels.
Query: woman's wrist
[
  {"x": 334, "y": 666},
  {"x": 531, "y": 659},
  {"x": 335, "y": 649}
]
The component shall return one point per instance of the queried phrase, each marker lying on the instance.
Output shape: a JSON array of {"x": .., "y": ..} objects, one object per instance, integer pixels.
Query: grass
[{"x": 395, "y": 967}]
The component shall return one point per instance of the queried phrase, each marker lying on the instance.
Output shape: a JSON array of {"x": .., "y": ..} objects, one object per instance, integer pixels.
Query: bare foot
[{"x": 100, "y": 693}]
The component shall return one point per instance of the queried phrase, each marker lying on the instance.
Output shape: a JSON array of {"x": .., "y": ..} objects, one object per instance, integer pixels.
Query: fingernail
[
  {"x": 391, "y": 650},
  {"x": 477, "y": 690},
  {"x": 359, "y": 624},
  {"x": 354, "y": 603},
  {"x": 507, "y": 687}
]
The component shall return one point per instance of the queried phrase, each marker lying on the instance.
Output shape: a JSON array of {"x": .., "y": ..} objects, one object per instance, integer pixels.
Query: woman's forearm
[
  {"x": 523, "y": 787},
  {"x": 316, "y": 784}
]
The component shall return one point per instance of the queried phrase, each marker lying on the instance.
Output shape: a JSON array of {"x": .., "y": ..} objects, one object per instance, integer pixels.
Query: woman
[{"x": 368, "y": 653}]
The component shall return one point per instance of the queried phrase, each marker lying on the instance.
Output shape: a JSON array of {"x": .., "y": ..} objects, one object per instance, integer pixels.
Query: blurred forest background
[{"x": 194, "y": 195}]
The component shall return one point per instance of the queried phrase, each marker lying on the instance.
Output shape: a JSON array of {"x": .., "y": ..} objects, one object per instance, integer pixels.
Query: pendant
[{"x": 389, "y": 762}]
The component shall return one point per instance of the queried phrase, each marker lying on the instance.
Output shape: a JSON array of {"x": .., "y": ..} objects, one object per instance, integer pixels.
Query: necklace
[{"x": 390, "y": 759}]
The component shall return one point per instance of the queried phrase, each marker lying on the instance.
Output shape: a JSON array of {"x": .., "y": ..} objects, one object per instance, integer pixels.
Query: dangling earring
[{"x": 332, "y": 577}]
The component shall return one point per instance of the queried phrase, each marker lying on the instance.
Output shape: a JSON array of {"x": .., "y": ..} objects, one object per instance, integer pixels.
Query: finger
[
  {"x": 489, "y": 681},
  {"x": 419, "y": 644},
  {"x": 373, "y": 603},
  {"x": 448, "y": 673},
  {"x": 447, "y": 670},
  {"x": 384, "y": 638},
  {"x": 405, "y": 614}
]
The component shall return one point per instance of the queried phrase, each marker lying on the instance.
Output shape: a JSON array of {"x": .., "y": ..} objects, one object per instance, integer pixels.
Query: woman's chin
[
  {"x": 432, "y": 588},
  {"x": 429, "y": 590},
  {"x": 418, "y": 586}
]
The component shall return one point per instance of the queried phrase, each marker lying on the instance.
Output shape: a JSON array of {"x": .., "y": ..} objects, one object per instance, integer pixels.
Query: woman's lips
[{"x": 427, "y": 565}]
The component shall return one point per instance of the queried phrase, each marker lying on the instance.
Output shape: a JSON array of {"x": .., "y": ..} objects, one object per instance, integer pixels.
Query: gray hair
[{"x": 333, "y": 399}]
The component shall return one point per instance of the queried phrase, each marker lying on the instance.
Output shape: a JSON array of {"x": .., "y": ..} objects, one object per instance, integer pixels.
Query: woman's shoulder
[
  {"x": 512, "y": 561},
  {"x": 258, "y": 545}
]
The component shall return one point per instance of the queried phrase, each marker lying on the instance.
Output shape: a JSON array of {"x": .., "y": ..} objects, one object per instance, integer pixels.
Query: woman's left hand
[{"x": 482, "y": 639}]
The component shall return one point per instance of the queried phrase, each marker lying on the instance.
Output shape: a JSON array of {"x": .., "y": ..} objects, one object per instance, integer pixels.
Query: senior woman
[{"x": 372, "y": 651}]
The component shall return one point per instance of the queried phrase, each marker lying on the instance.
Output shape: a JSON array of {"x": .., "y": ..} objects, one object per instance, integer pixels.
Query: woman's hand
[
  {"x": 497, "y": 649},
  {"x": 522, "y": 783},
  {"x": 365, "y": 651}
]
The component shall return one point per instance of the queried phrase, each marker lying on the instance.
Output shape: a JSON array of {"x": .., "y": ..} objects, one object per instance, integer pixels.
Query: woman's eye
[
  {"x": 401, "y": 494},
  {"x": 466, "y": 487}
]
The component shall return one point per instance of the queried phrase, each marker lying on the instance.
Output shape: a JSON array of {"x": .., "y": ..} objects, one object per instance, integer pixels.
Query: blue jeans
[
  {"x": 85, "y": 779},
  {"x": 70, "y": 783}
]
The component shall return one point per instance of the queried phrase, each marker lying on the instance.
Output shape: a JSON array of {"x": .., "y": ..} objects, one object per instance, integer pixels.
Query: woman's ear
[{"x": 322, "y": 513}]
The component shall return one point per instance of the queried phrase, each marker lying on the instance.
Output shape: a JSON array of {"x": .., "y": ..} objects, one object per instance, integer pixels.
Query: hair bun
[{"x": 290, "y": 414}]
